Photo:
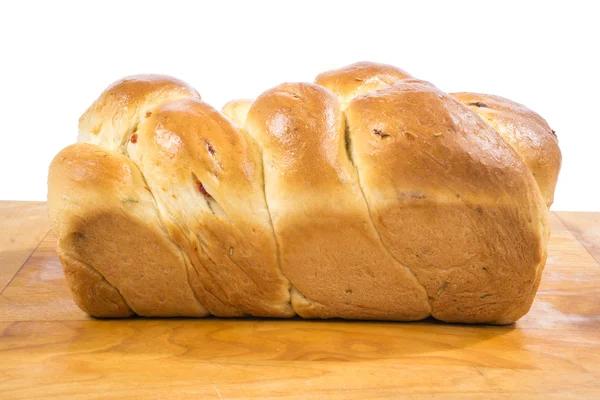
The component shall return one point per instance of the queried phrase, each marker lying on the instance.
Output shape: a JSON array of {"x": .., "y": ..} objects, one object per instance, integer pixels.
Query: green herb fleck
[{"x": 441, "y": 290}]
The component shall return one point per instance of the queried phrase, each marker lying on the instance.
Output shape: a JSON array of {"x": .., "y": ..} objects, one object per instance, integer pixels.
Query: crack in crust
[
  {"x": 348, "y": 136},
  {"x": 239, "y": 117},
  {"x": 292, "y": 290}
]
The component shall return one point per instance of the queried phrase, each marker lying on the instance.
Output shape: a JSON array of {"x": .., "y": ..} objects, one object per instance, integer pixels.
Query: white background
[{"x": 57, "y": 57}]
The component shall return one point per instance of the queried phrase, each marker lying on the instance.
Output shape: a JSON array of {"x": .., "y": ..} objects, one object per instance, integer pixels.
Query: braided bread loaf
[{"x": 367, "y": 195}]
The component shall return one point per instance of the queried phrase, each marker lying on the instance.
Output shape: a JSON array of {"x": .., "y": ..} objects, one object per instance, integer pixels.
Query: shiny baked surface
[{"x": 369, "y": 194}]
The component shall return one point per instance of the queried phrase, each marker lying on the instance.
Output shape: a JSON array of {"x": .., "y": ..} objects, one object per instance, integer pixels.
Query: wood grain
[
  {"x": 39, "y": 291},
  {"x": 21, "y": 229},
  {"x": 569, "y": 295},
  {"x": 586, "y": 228},
  {"x": 50, "y": 349}
]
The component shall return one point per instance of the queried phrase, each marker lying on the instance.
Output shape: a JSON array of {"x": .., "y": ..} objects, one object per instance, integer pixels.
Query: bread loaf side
[{"x": 369, "y": 194}]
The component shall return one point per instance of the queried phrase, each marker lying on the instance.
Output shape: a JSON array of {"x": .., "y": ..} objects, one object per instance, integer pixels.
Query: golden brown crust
[
  {"x": 377, "y": 195},
  {"x": 526, "y": 132},
  {"x": 207, "y": 177},
  {"x": 328, "y": 246},
  {"x": 237, "y": 110},
  {"x": 359, "y": 78},
  {"x": 450, "y": 199},
  {"x": 114, "y": 116},
  {"x": 91, "y": 292},
  {"x": 104, "y": 217}
]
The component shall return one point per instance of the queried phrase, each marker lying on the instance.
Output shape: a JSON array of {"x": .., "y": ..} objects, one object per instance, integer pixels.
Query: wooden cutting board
[{"x": 49, "y": 348}]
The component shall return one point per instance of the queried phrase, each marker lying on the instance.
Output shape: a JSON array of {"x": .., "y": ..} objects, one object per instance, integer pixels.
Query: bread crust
[
  {"x": 237, "y": 110},
  {"x": 207, "y": 178},
  {"x": 450, "y": 199},
  {"x": 359, "y": 78},
  {"x": 526, "y": 132},
  {"x": 329, "y": 248},
  {"x": 367, "y": 195},
  {"x": 106, "y": 219},
  {"x": 113, "y": 117},
  {"x": 91, "y": 292}
]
